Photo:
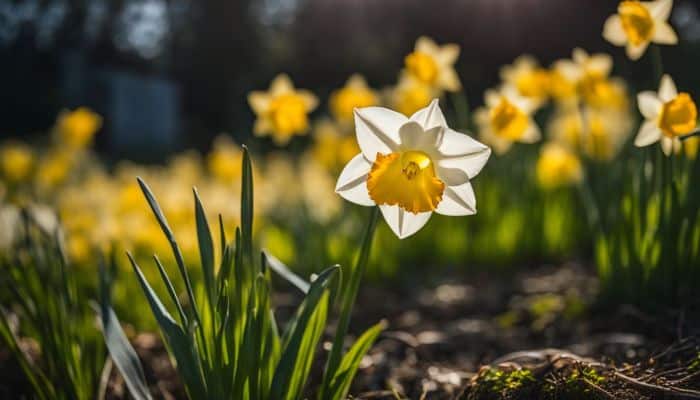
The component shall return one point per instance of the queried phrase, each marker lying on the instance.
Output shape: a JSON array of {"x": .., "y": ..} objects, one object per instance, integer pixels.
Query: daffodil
[
  {"x": 16, "y": 161},
  {"x": 332, "y": 148},
  {"x": 224, "y": 161},
  {"x": 526, "y": 75},
  {"x": 76, "y": 129},
  {"x": 590, "y": 75},
  {"x": 282, "y": 111},
  {"x": 639, "y": 23},
  {"x": 355, "y": 94},
  {"x": 433, "y": 65},
  {"x": 669, "y": 115},
  {"x": 558, "y": 166},
  {"x": 599, "y": 134},
  {"x": 410, "y": 95},
  {"x": 691, "y": 146},
  {"x": 411, "y": 167},
  {"x": 506, "y": 118}
]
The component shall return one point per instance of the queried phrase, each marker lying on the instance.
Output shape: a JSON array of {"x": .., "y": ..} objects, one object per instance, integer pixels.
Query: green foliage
[
  {"x": 648, "y": 242},
  {"x": 54, "y": 312},
  {"x": 495, "y": 383},
  {"x": 225, "y": 341}
]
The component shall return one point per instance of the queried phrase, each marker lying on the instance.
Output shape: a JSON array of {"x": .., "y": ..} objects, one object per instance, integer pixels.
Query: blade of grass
[
  {"x": 206, "y": 249},
  {"x": 282, "y": 270}
]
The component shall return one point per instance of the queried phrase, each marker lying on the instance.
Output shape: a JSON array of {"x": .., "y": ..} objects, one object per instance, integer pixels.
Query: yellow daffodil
[
  {"x": 562, "y": 87},
  {"x": 526, "y": 75},
  {"x": 282, "y": 111},
  {"x": 669, "y": 115},
  {"x": 332, "y": 148},
  {"x": 433, "y": 65},
  {"x": 590, "y": 75},
  {"x": 558, "y": 166},
  {"x": 54, "y": 169},
  {"x": 410, "y": 95},
  {"x": 639, "y": 23},
  {"x": 16, "y": 161},
  {"x": 76, "y": 129},
  {"x": 506, "y": 118},
  {"x": 355, "y": 94},
  {"x": 224, "y": 160},
  {"x": 317, "y": 191},
  {"x": 599, "y": 134},
  {"x": 411, "y": 167},
  {"x": 691, "y": 147}
]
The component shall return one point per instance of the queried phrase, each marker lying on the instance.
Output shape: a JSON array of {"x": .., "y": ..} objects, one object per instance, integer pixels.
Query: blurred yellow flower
[
  {"x": 433, "y": 65},
  {"x": 79, "y": 248},
  {"x": 558, "y": 166},
  {"x": 639, "y": 23},
  {"x": 332, "y": 147},
  {"x": 318, "y": 191},
  {"x": 16, "y": 161},
  {"x": 506, "y": 118},
  {"x": 669, "y": 115},
  {"x": 53, "y": 169},
  {"x": 76, "y": 129},
  {"x": 561, "y": 87},
  {"x": 354, "y": 94},
  {"x": 526, "y": 75},
  {"x": 224, "y": 160},
  {"x": 691, "y": 146},
  {"x": 410, "y": 95},
  {"x": 599, "y": 134},
  {"x": 282, "y": 111},
  {"x": 590, "y": 75}
]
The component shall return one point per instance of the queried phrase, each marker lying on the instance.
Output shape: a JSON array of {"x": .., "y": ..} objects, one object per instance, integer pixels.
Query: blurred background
[{"x": 174, "y": 74}]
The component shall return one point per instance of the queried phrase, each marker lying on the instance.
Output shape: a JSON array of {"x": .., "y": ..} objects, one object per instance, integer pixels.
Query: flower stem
[
  {"x": 349, "y": 294},
  {"x": 462, "y": 111},
  {"x": 657, "y": 64}
]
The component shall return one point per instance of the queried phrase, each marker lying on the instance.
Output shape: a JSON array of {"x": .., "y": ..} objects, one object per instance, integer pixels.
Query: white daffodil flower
[
  {"x": 669, "y": 115},
  {"x": 638, "y": 23},
  {"x": 506, "y": 118},
  {"x": 411, "y": 167}
]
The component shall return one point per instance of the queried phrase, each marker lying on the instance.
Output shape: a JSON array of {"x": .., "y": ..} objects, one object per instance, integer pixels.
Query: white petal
[
  {"x": 601, "y": 63},
  {"x": 613, "y": 32},
  {"x": 452, "y": 176},
  {"x": 449, "y": 80},
  {"x": 431, "y": 116},
  {"x": 449, "y": 53},
  {"x": 670, "y": 145},
  {"x": 649, "y": 104},
  {"x": 491, "y": 98},
  {"x": 635, "y": 52},
  {"x": 458, "y": 201},
  {"x": 413, "y": 137},
  {"x": 649, "y": 133},
  {"x": 667, "y": 89},
  {"x": 664, "y": 34},
  {"x": 352, "y": 183},
  {"x": 532, "y": 134},
  {"x": 660, "y": 10},
  {"x": 377, "y": 130},
  {"x": 404, "y": 223},
  {"x": 458, "y": 150}
]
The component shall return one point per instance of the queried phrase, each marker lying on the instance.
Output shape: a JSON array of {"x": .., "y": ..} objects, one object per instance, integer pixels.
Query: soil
[{"x": 534, "y": 334}]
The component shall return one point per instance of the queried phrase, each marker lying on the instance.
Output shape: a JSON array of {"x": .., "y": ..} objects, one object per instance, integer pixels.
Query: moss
[
  {"x": 495, "y": 383},
  {"x": 574, "y": 386},
  {"x": 695, "y": 364}
]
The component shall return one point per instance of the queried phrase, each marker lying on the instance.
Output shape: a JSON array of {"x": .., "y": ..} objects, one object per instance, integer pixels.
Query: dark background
[{"x": 167, "y": 75}]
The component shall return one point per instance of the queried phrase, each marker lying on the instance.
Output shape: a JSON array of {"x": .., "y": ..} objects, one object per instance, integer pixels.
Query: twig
[
  {"x": 599, "y": 389},
  {"x": 685, "y": 379},
  {"x": 677, "y": 392}
]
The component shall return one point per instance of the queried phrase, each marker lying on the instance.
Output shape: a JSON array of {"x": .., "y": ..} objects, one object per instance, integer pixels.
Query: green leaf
[
  {"x": 247, "y": 205},
  {"x": 206, "y": 247},
  {"x": 340, "y": 384},
  {"x": 182, "y": 347},
  {"x": 162, "y": 221},
  {"x": 301, "y": 339},
  {"x": 282, "y": 270},
  {"x": 123, "y": 355}
]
